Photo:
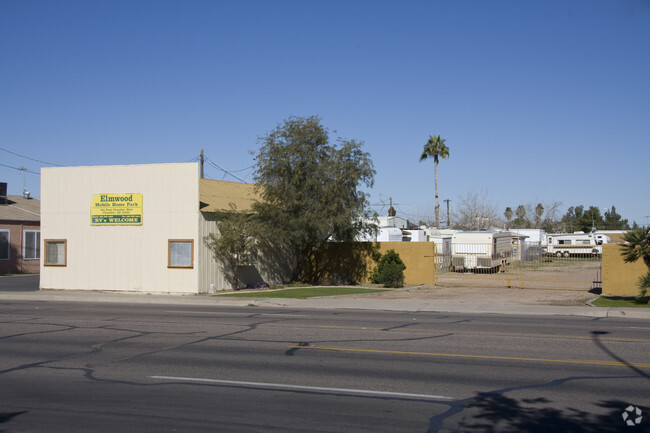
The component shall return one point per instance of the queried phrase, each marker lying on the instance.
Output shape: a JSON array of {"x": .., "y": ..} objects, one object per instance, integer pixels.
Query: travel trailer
[
  {"x": 574, "y": 244},
  {"x": 480, "y": 250},
  {"x": 389, "y": 234}
]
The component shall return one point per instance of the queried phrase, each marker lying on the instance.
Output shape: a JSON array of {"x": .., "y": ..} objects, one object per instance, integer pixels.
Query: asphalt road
[
  {"x": 81, "y": 367},
  {"x": 20, "y": 283}
]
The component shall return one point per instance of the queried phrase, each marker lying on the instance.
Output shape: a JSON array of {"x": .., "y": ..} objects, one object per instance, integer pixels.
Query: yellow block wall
[
  {"x": 418, "y": 258},
  {"x": 620, "y": 278},
  {"x": 354, "y": 261}
]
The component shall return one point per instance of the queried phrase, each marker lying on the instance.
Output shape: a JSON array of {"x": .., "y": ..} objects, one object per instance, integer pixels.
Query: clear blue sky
[{"x": 539, "y": 101}]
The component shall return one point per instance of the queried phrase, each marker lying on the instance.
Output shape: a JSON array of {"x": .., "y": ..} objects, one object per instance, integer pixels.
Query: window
[
  {"x": 181, "y": 253},
  {"x": 4, "y": 244},
  {"x": 55, "y": 252},
  {"x": 564, "y": 242},
  {"x": 32, "y": 245}
]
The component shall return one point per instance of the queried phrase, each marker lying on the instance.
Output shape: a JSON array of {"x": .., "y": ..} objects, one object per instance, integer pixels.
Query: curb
[{"x": 415, "y": 305}]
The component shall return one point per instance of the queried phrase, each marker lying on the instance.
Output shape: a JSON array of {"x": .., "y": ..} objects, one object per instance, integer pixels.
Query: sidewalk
[{"x": 459, "y": 305}]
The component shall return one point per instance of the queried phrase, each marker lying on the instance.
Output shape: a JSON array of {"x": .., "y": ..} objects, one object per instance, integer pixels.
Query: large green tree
[
  {"x": 310, "y": 188},
  {"x": 579, "y": 219},
  {"x": 435, "y": 148}
]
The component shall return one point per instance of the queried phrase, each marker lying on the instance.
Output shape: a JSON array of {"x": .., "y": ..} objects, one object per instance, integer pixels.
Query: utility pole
[
  {"x": 391, "y": 209},
  {"x": 447, "y": 201},
  {"x": 25, "y": 192},
  {"x": 202, "y": 161}
]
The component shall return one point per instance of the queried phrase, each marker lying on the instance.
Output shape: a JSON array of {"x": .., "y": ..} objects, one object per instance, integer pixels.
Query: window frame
[
  {"x": 169, "y": 253},
  {"x": 65, "y": 252},
  {"x": 37, "y": 244},
  {"x": 8, "y": 244}
]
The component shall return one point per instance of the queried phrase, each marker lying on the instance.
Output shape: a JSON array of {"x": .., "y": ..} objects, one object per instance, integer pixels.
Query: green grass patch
[
  {"x": 304, "y": 292},
  {"x": 621, "y": 302}
]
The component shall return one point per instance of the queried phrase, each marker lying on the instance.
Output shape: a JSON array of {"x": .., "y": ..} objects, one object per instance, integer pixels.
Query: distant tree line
[
  {"x": 476, "y": 212},
  {"x": 576, "y": 218}
]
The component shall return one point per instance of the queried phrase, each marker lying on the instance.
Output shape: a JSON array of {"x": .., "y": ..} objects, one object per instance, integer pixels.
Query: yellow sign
[{"x": 116, "y": 210}]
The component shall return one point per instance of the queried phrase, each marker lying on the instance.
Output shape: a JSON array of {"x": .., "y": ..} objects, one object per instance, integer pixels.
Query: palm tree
[
  {"x": 539, "y": 211},
  {"x": 508, "y": 215},
  {"x": 636, "y": 246},
  {"x": 435, "y": 148}
]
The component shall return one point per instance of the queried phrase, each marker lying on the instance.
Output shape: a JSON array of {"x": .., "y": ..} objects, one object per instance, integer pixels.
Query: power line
[
  {"x": 33, "y": 159},
  {"x": 243, "y": 169},
  {"x": 224, "y": 170},
  {"x": 23, "y": 169}
]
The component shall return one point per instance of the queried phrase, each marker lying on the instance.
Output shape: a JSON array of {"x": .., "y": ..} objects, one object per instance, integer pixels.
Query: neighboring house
[
  {"x": 20, "y": 234},
  {"x": 137, "y": 228}
]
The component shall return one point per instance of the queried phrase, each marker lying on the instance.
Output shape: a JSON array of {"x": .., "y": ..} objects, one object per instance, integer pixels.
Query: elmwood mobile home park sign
[{"x": 116, "y": 210}]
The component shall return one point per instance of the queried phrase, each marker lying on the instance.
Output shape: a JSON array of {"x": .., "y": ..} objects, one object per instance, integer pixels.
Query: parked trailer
[
  {"x": 574, "y": 244},
  {"x": 480, "y": 250}
]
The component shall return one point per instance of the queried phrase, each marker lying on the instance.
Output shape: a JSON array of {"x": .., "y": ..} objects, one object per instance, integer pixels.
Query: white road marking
[{"x": 306, "y": 388}]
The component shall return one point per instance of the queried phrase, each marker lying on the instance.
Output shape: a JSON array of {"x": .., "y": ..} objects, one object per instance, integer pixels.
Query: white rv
[
  {"x": 389, "y": 234},
  {"x": 574, "y": 244},
  {"x": 480, "y": 250}
]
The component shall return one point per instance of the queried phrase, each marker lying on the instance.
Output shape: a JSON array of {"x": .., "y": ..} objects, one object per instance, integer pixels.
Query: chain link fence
[{"x": 522, "y": 266}]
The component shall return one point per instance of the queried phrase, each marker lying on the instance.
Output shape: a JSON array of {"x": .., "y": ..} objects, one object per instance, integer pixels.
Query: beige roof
[
  {"x": 18, "y": 208},
  {"x": 221, "y": 195}
]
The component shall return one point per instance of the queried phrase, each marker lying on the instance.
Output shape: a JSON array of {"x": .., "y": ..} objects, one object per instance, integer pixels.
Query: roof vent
[{"x": 26, "y": 194}]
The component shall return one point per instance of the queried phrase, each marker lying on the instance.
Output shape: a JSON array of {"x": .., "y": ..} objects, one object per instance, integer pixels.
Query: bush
[{"x": 389, "y": 270}]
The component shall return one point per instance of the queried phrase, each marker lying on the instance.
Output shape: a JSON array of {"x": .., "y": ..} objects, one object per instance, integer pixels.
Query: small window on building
[
  {"x": 32, "y": 245},
  {"x": 4, "y": 244},
  {"x": 181, "y": 253},
  {"x": 55, "y": 252}
]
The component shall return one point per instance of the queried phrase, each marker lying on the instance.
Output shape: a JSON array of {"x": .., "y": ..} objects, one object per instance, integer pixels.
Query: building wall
[
  {"x": 419, "y": 258},
  {"x": 620, "y": 278},
  {"x": 121, "y": 258},
  {"x": 16, "y": 262},
  {"x": 268, "y": 265},
  {"x": 210, "y": 270}
]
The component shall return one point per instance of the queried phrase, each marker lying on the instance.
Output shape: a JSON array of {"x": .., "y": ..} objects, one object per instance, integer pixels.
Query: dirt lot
[
  {"x": 547, "y": 282},
  {"x": 490, "y": 295}
]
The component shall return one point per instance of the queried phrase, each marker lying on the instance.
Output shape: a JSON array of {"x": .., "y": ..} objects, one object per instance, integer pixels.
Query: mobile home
[
  {"x": 481, "y": 250},
  {"x": 574, "y": 244}
]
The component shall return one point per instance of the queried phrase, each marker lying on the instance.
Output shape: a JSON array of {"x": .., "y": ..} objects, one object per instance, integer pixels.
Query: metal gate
[{"x": 527, "y": 266}]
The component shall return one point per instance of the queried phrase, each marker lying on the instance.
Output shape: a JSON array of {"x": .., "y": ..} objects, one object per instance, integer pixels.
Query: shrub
[{"x": 389, "y": 270}]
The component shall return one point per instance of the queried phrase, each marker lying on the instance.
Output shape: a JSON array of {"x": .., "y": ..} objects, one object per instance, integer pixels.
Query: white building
[{"x": 135, "y": 228}]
